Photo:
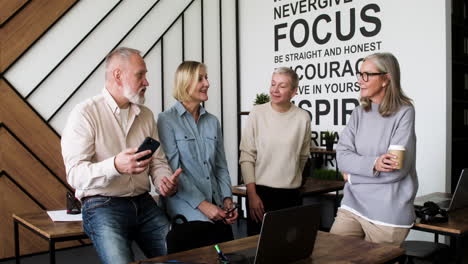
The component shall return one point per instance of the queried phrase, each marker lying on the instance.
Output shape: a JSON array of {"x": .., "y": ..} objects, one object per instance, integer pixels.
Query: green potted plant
[
  {"x": 326, "y": 174},
  {"x": 261, "y": 98},
  {"x": 329, "y": 137}
]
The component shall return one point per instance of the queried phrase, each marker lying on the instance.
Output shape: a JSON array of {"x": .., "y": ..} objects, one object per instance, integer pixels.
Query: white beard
[{"x": 134, "y": 98}]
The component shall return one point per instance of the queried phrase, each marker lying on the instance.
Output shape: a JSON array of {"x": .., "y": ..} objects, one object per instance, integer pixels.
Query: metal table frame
[{"x": 52, "y": 241}]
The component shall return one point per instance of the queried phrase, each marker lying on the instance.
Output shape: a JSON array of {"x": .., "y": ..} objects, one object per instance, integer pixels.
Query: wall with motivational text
[{"x": 324, "y": 41}]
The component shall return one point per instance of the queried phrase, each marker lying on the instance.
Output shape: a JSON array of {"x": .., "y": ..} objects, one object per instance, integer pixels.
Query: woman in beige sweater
[{"x": 274, "y": 148}]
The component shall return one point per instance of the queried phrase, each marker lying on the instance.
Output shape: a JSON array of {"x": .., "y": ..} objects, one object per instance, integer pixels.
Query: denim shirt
[{"x": 198, "y": 149}]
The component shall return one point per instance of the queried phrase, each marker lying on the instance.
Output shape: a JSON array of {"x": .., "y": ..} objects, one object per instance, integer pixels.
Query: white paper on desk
[
  {"x": 62, "y": 216},
  {"x": 242, "y": 187}
]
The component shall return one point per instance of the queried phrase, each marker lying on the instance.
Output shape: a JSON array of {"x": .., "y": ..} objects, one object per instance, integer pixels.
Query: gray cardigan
[{"x": 383, "y": 197}]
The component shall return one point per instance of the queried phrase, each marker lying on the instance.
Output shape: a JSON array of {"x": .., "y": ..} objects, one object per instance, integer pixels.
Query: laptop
[
  {"x": 459, "y": 199},
  {"x": 286, "y": 236}
]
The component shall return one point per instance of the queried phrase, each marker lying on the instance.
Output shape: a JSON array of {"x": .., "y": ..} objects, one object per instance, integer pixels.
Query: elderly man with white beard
[{"x": 99, "y": 148}]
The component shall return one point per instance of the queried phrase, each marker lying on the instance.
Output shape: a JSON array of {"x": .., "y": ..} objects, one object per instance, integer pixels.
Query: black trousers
[
  {"x": 195, "y": 234},
  {"x": 273, "y": 199}
]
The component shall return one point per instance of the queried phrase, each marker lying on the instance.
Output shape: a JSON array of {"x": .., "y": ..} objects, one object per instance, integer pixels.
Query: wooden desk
[
  {"x": 311, "y": 187},
  {"x": 456, "y": 226},
  {"x": 41, "y": 224},
  {"x": 315, "y": 152},
  {"x": 328, "y": 248}
]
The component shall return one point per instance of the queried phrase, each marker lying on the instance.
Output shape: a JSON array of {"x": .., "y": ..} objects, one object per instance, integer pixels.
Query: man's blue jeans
[{"x": 113, "y": 223}]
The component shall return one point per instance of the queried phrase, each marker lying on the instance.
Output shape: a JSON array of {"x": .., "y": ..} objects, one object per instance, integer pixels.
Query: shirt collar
[
  {"x": 115, "y": 107},
  {"x": 181, "y": 109}
]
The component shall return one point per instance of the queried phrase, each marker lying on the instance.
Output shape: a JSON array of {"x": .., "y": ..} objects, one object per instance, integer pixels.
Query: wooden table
[
  {"x": 311, "y": 187},
  {"x": 456, "y": 226},
  {"x": 329, "y": 248},
  {"x": 42, "y": 225},
  {"x": 315, "y": 152}
]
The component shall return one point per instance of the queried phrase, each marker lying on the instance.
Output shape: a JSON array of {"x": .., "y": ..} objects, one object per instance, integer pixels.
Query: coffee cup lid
[{"x": 396, "y": 147}]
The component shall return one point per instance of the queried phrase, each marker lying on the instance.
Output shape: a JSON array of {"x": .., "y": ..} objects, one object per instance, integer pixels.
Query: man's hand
[
  {"x": 212, "y": 211},
  {"x": 168, "y": 186},
  {"x": 126, "y": 161}
]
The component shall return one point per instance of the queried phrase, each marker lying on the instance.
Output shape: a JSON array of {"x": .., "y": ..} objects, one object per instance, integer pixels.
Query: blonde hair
[
  {"x": 185, "y": 79},
  {"x": 394, "y": 96},
  {"x": 293, "y": 78}
]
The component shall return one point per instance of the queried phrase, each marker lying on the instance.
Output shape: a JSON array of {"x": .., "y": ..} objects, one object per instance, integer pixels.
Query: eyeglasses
[{"x": 365, "y": 75}]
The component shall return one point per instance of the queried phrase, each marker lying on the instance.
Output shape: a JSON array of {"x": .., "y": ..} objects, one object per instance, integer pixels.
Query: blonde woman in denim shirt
[{"x": 192, "y": 140}]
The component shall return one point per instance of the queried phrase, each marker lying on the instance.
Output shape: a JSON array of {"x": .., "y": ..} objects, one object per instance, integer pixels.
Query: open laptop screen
[
  {"x": 287, "y": 235},
  {"x": 460, "y": 196}
]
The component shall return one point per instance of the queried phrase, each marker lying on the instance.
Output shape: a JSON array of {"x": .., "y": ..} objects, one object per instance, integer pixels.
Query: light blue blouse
[{"x": 198, "y": 149}]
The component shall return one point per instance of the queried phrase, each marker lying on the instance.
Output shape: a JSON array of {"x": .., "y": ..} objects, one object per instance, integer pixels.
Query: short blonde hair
[
  {"x": 293, "y": 78},
  {"x": 186, "y": 78}
]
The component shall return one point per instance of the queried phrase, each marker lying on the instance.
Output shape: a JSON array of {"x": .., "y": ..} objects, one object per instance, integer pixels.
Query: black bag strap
[{"x": 177, "y": 217}]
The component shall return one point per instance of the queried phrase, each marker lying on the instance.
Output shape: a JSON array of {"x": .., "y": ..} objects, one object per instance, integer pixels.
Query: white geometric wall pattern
[{"x": 65, "y": 66}]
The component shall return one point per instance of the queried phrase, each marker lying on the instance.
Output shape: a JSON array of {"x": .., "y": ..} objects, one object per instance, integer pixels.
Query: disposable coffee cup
[{"x": 398, "y": 151}]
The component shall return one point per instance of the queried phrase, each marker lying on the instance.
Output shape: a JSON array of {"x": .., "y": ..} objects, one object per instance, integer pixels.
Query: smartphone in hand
[
  {"x": 148, "y": 144},
  {"x": 235, "y": 206}
]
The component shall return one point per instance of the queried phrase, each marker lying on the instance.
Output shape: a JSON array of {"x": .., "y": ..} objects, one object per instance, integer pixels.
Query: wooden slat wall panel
[
  {"x": 27, "y": 26},
  {"x": 31, "y": 129},
  {"x": 13, "y": 200},
  {"x": 30, "y": 157},
  {"x": 30, "y": 174},
  {"x": 9, "y": 7}
]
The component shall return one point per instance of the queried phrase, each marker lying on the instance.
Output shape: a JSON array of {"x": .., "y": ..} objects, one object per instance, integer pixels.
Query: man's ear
[{"x": 117, "y": 73}]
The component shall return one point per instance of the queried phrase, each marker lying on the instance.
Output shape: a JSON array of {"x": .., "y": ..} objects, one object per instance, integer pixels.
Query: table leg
[
  {"x": 17, "y": 246},
  {"x": 459, "y": 250},
  {"x": 240, "y": 211},
  {"x": 337, "y": 175},
  {"x": 52, "y": 251},
  {"x": 336, "y": 203}
]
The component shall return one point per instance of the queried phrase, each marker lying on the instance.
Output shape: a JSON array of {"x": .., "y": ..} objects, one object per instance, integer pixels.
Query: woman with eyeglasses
[{"x": 378, "y": 198}]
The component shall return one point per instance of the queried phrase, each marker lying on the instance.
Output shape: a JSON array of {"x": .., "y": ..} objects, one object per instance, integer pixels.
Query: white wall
[{"x": 416, "y": 32}]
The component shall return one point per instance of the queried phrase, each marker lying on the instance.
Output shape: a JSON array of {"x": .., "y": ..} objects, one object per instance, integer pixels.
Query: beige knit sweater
[{"x": 275, "y": 146}]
